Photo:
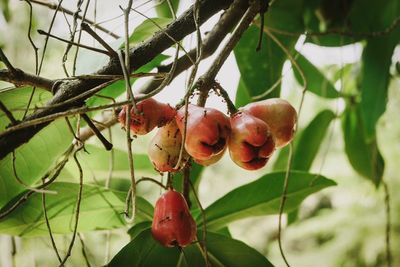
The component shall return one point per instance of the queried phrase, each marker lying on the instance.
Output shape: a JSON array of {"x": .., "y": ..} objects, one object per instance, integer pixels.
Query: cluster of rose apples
[{"x": 251, "y": 135}]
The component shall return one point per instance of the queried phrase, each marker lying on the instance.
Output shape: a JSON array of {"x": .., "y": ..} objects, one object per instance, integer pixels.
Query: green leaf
[
  {"x": 135, "y": 230},
  {"x": 357, "y": 18},
  {"x": 260, "y": 70},
  {"x": 100, "y": 209},
  {"x": 96, "y": 161},
  {"x": 144, "y": 251},
  {"x": 373, "y": 16},
  {"x": 163, "y": 9},
  {"x": 262, "y": 197},
  {"x": 242, "y": 95},
  {"x": 195, "y": 177},
  {"x": 18, "y": 98},
  {"x": 116, "y": 89},
  {"x": 5, "y": 9},
  {"x": 33, "y": 159},
  {"x": 363, "y": 156},
  {"x": 310, "y": 140},
  {"x": 307, "y": 144},
  {"x": 376, "y": 61},
  {"x": 147, "y": 29},
  {"x": 317, "y": 83}
]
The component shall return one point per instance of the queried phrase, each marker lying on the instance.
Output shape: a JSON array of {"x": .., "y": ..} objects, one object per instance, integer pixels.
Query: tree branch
[
  {"x": 210, "y": 44},
  {"x": 206, "y": 81},
  {"x": 139, "y": 56},
  {"x": 20, "y": 78}
]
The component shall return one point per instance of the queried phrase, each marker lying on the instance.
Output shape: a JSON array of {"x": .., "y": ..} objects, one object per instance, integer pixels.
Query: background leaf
[
  {"x": 306, "y": 144},
  {"x": 100, "y": 209},
  {"x": 262, "y": 197},
  {"x": 376, "y": 61},
  {"x": 310, "y": 140},
  {"x": 163, "y": 9},
  {"x": 31, "y": 165},
  {"x": 260, "y": 70},
  {"x": 96, "y": 161},
  {"x": 364, "y": 157},
  {"x": 16, "y": 99},
  {"x": 144, "y": 251},
  {"x": 317, "y": 83}
]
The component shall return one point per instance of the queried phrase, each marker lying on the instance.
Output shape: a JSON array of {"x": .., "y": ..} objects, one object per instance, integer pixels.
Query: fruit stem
[
  {"x": 186, "y": 184},
  {"x": 222, "y": 92}
]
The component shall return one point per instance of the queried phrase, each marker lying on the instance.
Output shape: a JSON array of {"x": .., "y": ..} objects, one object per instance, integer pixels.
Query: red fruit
[
  {"x": 164, "y": 148},
  {"x": 206, "y": 133},
  {"x": 211, "y": 160},
  {"x": 173, "y": 225},
  {"x": 251, "y": 143},
  {"x": 151, "y": 114},
  {"x": 280, "y": 116}
]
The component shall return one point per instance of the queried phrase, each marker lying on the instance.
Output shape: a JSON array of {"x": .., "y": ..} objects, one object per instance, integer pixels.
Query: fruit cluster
[{"x": 251, "y": 135}]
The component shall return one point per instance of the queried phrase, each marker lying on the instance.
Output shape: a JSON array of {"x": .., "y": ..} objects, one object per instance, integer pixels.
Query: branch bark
[
  {"x": 20, "y": 78},
  {"x": 210, "y": 44},
  {"x": 139, "y": 56}
]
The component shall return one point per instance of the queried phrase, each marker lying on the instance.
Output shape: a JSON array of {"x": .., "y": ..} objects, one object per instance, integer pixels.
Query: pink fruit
[
  {"x": 151, "y": 114},
  {"x": 280, "y": 116},
  {"x": 173, "y": 225},
  {"x": 164, "y": 148},
  {"x": 251, "y": 143},
  {"x": 207, "y": 131}
]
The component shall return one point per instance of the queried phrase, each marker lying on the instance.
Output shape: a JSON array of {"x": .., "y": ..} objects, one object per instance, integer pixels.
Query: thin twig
[
  {"x": 107, "y": 145},
  {"x": 191, "y": 80},
  {"x": 72, "y": 35},
  {"x": 13, "y": 251},
  {"x": 394, "y": 24},
  {"x": 46, "y": 218},
  {"x": 78, "y": 206},
  {"x": 388, "y": 224},
  {"x": 166, "y": 33},
  {"x": 185, "y": 185},
  {"x": 126, "y": 67},
  {"x": 71, "y": 13},
  {"x": 128, "y": 87},
  {"x": 83, "y": 246},
  {"x": 25, "y": 197},
  {"x": 116, "y": 77},
  {"x": 70, "y": 112},
  {"x": 210, "y": 43},
  {"x": 149, "y": 179},
  {"x": 282, "y": 203},
  {"x": 292, "y": 60},
  {"x": 35, "y": 50},
  {"x": 79, "y": 40},
  {"x": 111, "y": 162},
  {"x": 73, "y": 43},
  {"x": 142, "y": 54},
  {"x": 6, "y": 62},
  {"x": 208, "y": 78},
  {"x": 171, "y": 73},
  {"x": 230, "y": 105},
  {"x": 8, "y": 114},
  {"x": 204, "y": 224},
  {"x": 22, "y": 182},
  {"x": 89, "y": 30}
]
